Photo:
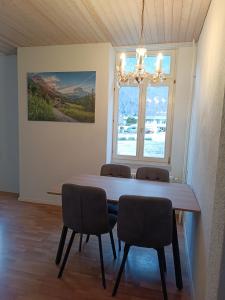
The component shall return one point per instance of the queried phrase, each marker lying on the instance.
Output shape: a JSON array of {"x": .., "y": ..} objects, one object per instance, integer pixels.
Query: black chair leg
[
  {"x": 66, "y": 254},
  {"x": 176, "y": 255},
  {"x": 164, "y": 260},
  {"x": 101, "y": 260},
  {"x": 126, "y": 250},
  {"x": 87, "y": 238},
  {"x": 80, "y": 244},
  {"x": 119, "y": 243},
  {"x": 113, "y": 244},
  {"x": 61, "y": 245},
  {"x": 162, "y": 274}
]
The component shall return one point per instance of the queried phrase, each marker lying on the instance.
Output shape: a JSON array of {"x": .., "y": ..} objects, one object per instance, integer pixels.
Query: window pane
[
  {"x": 156, "y": 121},
  {"x": 127, "y": 121},
  {"x": 150, "y": 64},
  {"x": 130, "y": 64}
]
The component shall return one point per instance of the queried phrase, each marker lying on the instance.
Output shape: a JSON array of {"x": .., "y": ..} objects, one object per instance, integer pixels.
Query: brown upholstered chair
[
  {"x": 112, "y": 170},
  {"x": 145, "y": 222},
  {"x": 155, "y": 174},
  {"x": 85, "y": 211},
  {"x": 115, "y": 170}
]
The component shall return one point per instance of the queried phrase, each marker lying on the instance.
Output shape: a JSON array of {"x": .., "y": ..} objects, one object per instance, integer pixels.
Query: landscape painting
[{"x": 61, "y": 96}]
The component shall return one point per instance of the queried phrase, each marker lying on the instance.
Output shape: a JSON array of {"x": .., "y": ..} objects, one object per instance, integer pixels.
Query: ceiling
[{"x": 55, "y": 22}]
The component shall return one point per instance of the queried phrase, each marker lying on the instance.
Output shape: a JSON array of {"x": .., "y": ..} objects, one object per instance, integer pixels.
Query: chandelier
[{"x": 139, "y": 75}]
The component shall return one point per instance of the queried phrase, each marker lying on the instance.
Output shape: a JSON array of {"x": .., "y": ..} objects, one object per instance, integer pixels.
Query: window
[{"x": 143, "y": 115}]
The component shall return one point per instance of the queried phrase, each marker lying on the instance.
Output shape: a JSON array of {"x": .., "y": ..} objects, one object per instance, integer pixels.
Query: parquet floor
[{"x": 29, "y": 235}]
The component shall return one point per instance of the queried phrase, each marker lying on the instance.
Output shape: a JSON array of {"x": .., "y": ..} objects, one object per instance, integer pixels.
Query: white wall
[
  {"x": 182, "y": 103},
  {"x": 8, "y": 124},
  {"x": 51, "y": 152},
  {"x": 109, "y": 145},
  {"x": 221, "y": 290},
  {"x": 206, "y": 163}
]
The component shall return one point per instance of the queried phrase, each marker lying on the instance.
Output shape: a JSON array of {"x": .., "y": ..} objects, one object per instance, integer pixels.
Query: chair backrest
[
  {"x": 114, "y": 170},
  {"x": 84, "y": 209},
  {"x": 155, "y": 174},
  {"x": 145, "y": 221}
]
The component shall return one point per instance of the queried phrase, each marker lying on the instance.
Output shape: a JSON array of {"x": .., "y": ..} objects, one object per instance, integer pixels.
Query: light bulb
[
  {"x": 122, "y": 62},
  {"x": 159, "y": 63},
  {"x": 140, "y": 54}
]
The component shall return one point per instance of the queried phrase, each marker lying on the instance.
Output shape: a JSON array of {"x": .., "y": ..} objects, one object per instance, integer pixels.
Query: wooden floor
[{"x": 29, "y": 235}]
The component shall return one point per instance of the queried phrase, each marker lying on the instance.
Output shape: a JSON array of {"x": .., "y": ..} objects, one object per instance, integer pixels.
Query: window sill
[{"x": 134, "y": 165}]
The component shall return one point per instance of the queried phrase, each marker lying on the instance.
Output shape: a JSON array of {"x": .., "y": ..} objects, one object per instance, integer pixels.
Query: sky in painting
[{"x": 67, "y": 82}]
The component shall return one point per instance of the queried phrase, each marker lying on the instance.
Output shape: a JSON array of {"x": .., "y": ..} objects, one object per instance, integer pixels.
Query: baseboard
[
  {"x": 188, "y": 263},
  {"x": 41, "y": 201},
  {"x": 9, "y": 194}
]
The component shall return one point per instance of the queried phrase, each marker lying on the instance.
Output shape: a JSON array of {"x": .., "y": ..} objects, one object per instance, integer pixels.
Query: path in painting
[{"x": 61, "y": 116}]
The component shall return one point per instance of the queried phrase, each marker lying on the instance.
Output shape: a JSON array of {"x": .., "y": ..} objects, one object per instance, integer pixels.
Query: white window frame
[{"x": 139, "y": 158}]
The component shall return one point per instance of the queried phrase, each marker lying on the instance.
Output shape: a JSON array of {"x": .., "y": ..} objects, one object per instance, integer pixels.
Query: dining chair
[
  {"x": 84, "y": 211},
  {"x": 144, "y": 222},
  {"x": 155, "y": 174},
  {"x": 115, "y": 170},
  {"x": 112, "y": 170}
]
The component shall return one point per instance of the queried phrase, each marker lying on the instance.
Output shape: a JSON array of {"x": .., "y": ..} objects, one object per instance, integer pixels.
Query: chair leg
[
  {"x": 119, "y": 243},
  {"x": 101, "y": 260},
  {"x": 113, "y": 244},
  {"x": 66, "y": 254},
  {"x": 162, "y": 274},
  {"x": 125, "y": 254},
  {"x": 80, "y": 244},
  {"x": 87, "y": 238},
  {"x": 164, "y": 260},
  {"x": 61, "y": 245},
  {"x": 176, "y": 255}
]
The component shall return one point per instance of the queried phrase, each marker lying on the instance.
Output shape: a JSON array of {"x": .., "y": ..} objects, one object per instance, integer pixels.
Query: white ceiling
[{"x": 55, "y": 22}]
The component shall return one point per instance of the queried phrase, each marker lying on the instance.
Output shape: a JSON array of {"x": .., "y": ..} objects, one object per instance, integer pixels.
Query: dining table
[{"x": 180, "y": 194}]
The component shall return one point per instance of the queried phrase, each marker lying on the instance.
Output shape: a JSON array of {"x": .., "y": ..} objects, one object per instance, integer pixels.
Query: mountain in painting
[{"x": 77, "y": 93}]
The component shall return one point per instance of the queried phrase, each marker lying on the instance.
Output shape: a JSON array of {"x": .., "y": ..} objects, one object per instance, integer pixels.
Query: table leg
[
  {"x": 176, "y": 255},
  {"x": 61, "y": 245}
]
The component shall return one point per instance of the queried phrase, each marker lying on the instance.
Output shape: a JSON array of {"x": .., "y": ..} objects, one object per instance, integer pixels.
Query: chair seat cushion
[{"x": 113, "y": 209}]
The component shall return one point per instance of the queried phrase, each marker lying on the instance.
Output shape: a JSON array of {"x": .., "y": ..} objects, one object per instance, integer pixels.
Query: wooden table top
[{"x": 181, "y": 195}]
